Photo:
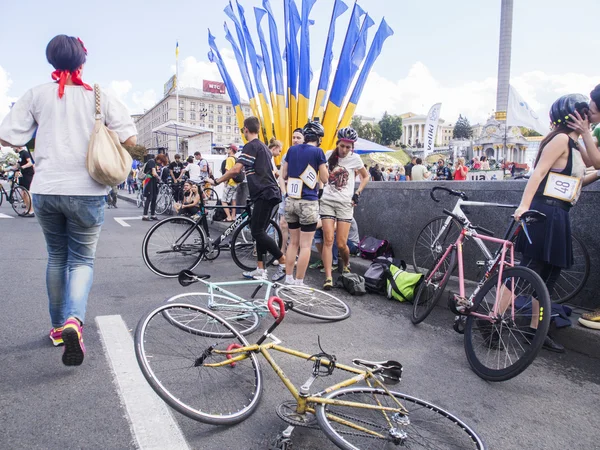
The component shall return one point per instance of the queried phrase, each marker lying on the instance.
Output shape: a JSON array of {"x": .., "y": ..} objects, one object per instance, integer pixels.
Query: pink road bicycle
[{"x": 508, "y": 314}]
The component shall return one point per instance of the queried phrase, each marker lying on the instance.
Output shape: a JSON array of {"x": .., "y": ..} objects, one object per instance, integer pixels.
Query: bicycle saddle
[
  {"x": 390, "y": 371},
  {"x": 187, "y": 277}
]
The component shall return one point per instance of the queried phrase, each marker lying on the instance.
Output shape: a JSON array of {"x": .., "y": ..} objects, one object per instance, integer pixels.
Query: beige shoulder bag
[{"x": 107, "y": 160}]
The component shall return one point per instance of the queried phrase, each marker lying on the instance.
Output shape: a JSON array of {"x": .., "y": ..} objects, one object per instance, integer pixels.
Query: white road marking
[
  {"x": 5, "y": 216},
  {"x": 121, "y": 220},
  {"x": 152, "y": 424}
]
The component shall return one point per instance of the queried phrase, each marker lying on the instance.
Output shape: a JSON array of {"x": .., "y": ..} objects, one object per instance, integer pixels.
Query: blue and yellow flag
[
  {"x": 266, "y": 118},
  {"x": 279, "y": 110},
  {"x": 177, "y": 49},
  {"x": 229, "y": 12},
  {"x": 215, "y": 56},
  {"x": 305, "y": 73},
  {"x": 339, "y": 8},
  {"x": 382, "y": 34},
  {"x": 360, "y": 48},
  {"x": 343, "y": 79},
  {"x": 292, "y": 56}
]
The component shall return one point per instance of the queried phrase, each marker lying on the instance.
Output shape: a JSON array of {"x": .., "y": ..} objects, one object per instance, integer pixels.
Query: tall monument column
[{"x": 506, "y": 22}]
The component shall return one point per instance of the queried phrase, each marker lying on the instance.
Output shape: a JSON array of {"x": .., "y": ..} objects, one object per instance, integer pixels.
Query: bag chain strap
[{"x": 97, "y": 96}]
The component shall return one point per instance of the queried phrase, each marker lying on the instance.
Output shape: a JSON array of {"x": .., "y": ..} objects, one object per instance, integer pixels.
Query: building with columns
[
  {"x": 501, "y": 144},
  {"x": 212, "y": 111},
  {"x": 413, "y": 130}
]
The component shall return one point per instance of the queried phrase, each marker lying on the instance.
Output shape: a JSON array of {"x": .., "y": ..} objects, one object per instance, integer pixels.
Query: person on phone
[
  {"x": 460, "y": 170},
  {"x": 553, "y": 189},
  {"x": 69, "y": 204}
]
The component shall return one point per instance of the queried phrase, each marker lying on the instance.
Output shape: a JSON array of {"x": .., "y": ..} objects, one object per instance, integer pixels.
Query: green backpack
[{"x": 401, "y": 285}]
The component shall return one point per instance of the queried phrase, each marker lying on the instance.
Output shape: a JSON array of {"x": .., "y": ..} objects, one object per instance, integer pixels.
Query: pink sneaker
[
  {"x": 56, "y": 336},
  {"x": 72, "y": 335}
]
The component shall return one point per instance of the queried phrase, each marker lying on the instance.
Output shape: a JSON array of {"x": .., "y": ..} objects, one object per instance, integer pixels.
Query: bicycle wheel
[
  {"x": 173, "y": 361},
  {"x": 244, "y": 253},
  {"x": 163, "y": 202},
  {"x": 433, "y": 239},
  {"x": 426, "y": 426},
  {"x": 502, "y": 348},
  {"x": 173, "y": 245},
  {"x": 314, "y": 303},
  {"x": 429, "y": 292},
  {"x": 210, "y": 196},
  {"x": 571, "y": 281},
  {"x": 240, "y": 315},
  {"x": 139, "y": 199},
  {"x": 19, "y": 195}
]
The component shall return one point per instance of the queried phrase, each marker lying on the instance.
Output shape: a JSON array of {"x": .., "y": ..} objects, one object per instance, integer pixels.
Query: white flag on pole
[
  {"x": 431, "y": 125},
  {"x": 520, "y": 114}
]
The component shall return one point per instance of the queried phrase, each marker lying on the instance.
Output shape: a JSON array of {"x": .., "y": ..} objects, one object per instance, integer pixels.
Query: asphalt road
[{"x": 554, "y": 404}]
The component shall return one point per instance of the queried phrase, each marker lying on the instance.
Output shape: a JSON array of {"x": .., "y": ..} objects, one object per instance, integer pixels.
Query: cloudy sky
[{"x": 441, "y": 51}]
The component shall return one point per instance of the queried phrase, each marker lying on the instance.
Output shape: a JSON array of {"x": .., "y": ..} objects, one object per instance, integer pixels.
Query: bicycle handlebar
[
  {"x": 449, "y": 191},
  {"x": 278, "y": 316}
]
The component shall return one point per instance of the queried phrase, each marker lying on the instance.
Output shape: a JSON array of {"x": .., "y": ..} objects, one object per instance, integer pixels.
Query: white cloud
[
  {"x": 5, "y": 99},
  {"x": 120, "y": 89},
  {"x": 474, "y": 99},
  {"x": 144, "y": 100}
]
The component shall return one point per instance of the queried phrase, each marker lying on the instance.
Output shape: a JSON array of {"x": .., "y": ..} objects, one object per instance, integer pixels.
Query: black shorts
[{"x": 25, "y": 181}]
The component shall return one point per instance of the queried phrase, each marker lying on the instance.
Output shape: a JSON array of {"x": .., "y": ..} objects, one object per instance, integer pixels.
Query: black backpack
[
  {"x": 239, "y": 178},
  {"x": 352, "y": 282},
  {"x": 378, "y": 273},
  {"x": 219, "y": 214}
]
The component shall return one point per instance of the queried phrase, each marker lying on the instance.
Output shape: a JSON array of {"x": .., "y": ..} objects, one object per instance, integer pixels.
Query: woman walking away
[
  {"x": 69, "y": 204},
  {"x": 152, "y": 169},
  {"x": 339, "y": 199},
  {"x": 553, "y": 189}
]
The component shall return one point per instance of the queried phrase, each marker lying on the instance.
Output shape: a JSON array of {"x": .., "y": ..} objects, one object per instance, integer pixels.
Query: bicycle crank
[
  {"x": 460, "y": 306},
  {"x": 459, "y": 324},
  {"x": 287, "y": 412}
]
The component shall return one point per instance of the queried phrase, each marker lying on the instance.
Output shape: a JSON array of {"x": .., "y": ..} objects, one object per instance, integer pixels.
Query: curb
[
  {"x": 126, "y": 198},
  {"x": 575, "y": 338}
]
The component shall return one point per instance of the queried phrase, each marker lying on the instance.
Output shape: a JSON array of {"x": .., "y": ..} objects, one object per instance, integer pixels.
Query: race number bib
[
  {"x": 309, "y": 176},
  {"x": 562, "y": 187},
  {"x": 294, "y": 188}
]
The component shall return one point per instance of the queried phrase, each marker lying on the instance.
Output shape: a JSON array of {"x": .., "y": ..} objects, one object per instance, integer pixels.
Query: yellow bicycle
[{"x": 202, "y": 367}]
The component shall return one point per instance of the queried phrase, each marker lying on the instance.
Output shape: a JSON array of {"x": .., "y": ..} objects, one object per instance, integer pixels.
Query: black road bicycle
[
  {"x": 179, "y": 243},
  {"x": 16, "y": 197}
]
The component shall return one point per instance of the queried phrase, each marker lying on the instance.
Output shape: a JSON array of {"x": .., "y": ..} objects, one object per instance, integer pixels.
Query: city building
[
  {"x": 210, "y": 110},
  {"x": 414, "y": 130},
  {"x": 365, "y": 120}
]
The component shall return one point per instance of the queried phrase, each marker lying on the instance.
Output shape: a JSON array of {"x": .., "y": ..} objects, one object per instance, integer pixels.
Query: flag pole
[{"x": 176, "y": 94}]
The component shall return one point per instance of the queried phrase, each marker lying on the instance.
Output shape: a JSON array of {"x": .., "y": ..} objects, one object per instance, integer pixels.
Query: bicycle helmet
[
  {"x": 313, "y": 131},
  {"x": 347, "y": 134},
  {"x": 565, "y": 105}
]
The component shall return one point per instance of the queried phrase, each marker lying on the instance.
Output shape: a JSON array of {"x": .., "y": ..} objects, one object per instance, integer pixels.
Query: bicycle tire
[
  {"x": 211, "y": 197},
  {"x": 314, "y": 303},
  {"x": 163, "y": 202},
  {"x": 419, "y": 314},
  {"x": 495, "y": 337},
  {"x": 2, "y": 194},
  {"x": 244, "y": 253},
  {"x": 241, "y": 316},
  {"x": 426, "y": 248},
  {"x": 172, "y": 361},
  {"x": 420, "y": 432},
  {"x": 19, "y": 194},
  {"x": 187, "y": 256},
  {"x": 139, "y": 199}
]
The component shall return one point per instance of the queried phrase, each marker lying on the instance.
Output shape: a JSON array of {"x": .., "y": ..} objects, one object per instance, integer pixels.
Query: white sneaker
[
  {"x": 256, "y": 274},
  {"x": 279, "y": 273}
]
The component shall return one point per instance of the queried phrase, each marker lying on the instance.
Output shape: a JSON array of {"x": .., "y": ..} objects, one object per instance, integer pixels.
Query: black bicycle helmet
[
  {"x": 565, "y": 105},
  {"x": 313, "y": 131},
  {"x": 347, "y": 134}
]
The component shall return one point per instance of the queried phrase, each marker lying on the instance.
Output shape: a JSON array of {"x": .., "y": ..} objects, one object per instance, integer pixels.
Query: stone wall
[{"x": 398, "y": 210}]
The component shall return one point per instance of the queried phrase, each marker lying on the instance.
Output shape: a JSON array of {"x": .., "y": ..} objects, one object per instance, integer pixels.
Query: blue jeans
[
  {"x": 71, "y": 226},
  {"x": 352, "y": 246}
]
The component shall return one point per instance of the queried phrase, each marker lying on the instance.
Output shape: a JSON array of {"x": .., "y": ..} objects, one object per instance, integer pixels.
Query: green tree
[
  {"x": 357, "y": 125},
  {"x": 462, "y": 129},
  {"x": 391, "y": 128},
  {"x": 528, "y": 132},
  {"x": 371, "y": 132},
  {"x": 137, "y": 151}
]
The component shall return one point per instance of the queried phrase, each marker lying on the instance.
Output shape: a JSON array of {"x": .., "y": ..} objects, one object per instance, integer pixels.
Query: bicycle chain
[{"x": 287, "y": 418}]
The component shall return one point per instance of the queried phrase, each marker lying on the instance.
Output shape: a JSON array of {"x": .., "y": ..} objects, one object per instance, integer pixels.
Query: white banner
[
  {"x": 520, "y": 114},
  {"x": 485, "y": 175},
  {"x": 431, "y": 125}
]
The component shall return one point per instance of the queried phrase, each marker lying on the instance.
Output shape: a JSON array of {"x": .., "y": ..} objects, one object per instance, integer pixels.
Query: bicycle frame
[
  {"x": 257, "y": 305},
  {"x": 304, "y": 401},
  {"x": 236, "y": 223},
  {"x": 500, "y": 258}
]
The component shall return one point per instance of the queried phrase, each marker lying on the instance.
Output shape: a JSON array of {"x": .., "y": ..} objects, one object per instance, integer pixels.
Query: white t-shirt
[
  {"x": 203, "y": 165},
  {"x": 64, "y": 126},
  {"x": 193, "y": 171},
  {"x": 418, "y": 172},
  {"x": 340, "y": 187}
]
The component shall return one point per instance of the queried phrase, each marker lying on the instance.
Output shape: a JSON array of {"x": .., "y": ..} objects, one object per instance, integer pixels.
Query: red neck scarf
[{"x": 62, "y": 75}]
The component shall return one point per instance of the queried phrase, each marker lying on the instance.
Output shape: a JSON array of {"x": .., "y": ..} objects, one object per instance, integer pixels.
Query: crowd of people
[{"x": 314, "y": 189}]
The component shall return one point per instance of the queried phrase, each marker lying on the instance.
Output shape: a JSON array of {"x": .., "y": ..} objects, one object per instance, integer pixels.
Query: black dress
[{"x": 551, "y": 238}]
